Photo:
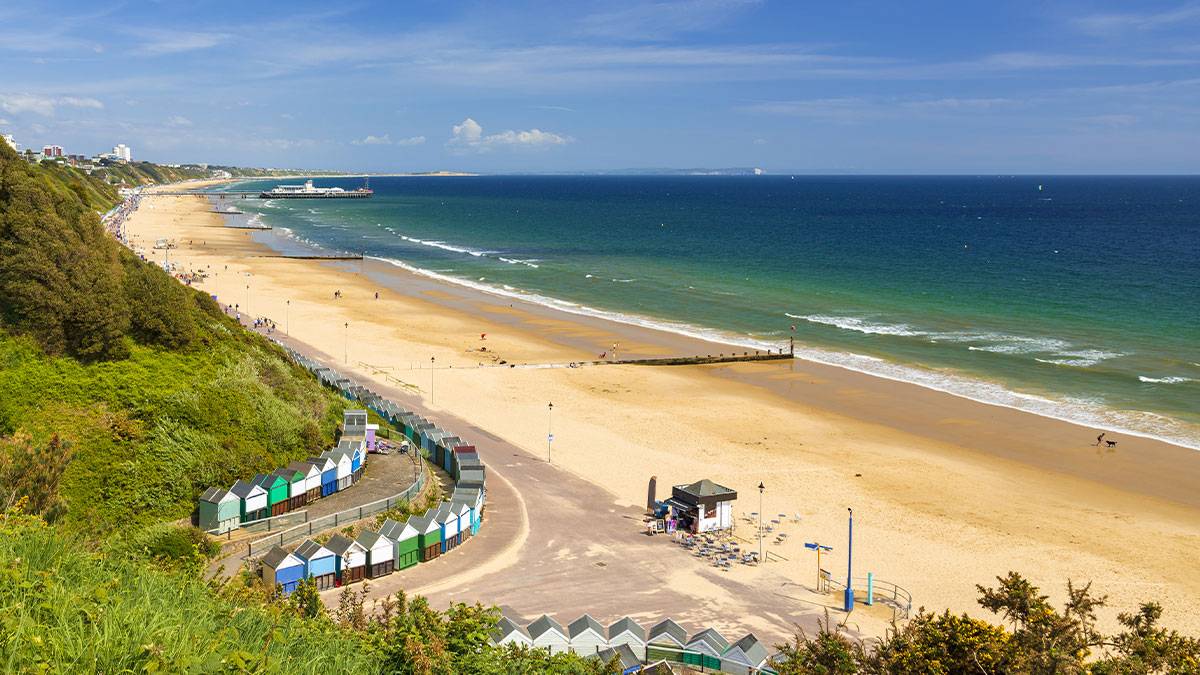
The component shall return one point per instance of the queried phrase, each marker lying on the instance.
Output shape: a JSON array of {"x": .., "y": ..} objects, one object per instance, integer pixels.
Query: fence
[
  {"x": 260, "y": 546},
  {"x": 264, "y": 524},
  {"x": 700, "y": 661},
  {"x": 899, "y": 599}
]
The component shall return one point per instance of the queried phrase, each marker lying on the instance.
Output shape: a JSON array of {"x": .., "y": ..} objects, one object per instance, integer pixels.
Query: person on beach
[
  {"x": 1099, "y": 440},
  {"x": 376, "y": 295}
]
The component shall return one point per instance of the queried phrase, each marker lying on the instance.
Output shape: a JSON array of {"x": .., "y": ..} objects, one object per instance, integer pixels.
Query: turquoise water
[{"x": 1079, "y": 300}]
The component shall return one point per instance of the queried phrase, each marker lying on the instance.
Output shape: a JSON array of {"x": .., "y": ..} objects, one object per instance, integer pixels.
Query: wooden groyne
[
  {"x": 705, "y": 360},
  {"x": 311, "y": 257}
]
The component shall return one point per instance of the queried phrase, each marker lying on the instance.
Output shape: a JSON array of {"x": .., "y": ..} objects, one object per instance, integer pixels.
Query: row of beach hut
[
  {"x": 396, "y": 545},
  {"x": 294, "y": 486},
  {"x": 634, "y": 646}
]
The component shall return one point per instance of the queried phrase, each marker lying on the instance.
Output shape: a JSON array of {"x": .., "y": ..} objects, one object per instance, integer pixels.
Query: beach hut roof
[
  {"x": 444, "y": 512},
  {"x": 311, "y": 550},
  {"x": 340, "y": 544},
  {"x": 470, "y": 475},
  {"x": 667, "y": 628},
  {"x": 349, "y": 445},
  {"x": 626, "y": 624},
  {"x": 216, "y": 495},
  {"x": 424, "y": 524},
  {"x": 622, "y": 653},
  {"x": 303, "y": 467},
  {"x": 505, "y": 627},
  {"x": 715, "y": 641},
  {"x": 290, "y": 475},
  {"x": 278, "y": 557},
  {"x": 323, "y": 464},
  {"x": 368, "y": 539},
  {"x": 748, "y": 647},
  {"x": 398, "y": 531},
  {"x": 458, "y": 507},
  {"x": 544, "y": 624},
  {"x": 660, "y": 667},
  {"x": 585, "y": 623},
  {"x": 268, "y": 480},
  {"x": 245, "y": 489}
]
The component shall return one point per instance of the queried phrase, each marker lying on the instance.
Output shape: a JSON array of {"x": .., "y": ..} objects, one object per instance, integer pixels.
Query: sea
[{"x": 1073, "y": 297}]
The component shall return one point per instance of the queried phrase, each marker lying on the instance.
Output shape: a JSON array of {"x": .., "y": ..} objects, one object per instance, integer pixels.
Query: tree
[
  {"x": 1144, "y": 647},
  {"x": 30, "y": 474},
  {"x": 829, "y": 652},
  {"x": 1046, "y": 641},
  {"x": 943, "y": 644},
  {"x": 306, "y": 600}
]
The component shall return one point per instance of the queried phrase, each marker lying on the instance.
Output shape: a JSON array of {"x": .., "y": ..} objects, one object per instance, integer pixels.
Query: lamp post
[
  {"x": 850, "y": 564},
  {"x": 431, "y": 380},
  {"x": 549, "y": 429},
  {"x": 247, "y": 298},
  {"x": 287, "y": 319},
  {"x": 761, "y": 489},
  {"x": 346, "y": 345}
]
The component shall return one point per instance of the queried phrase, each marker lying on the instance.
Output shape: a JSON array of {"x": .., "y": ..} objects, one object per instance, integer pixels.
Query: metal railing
[
  {"x": 896, "y": 597},
  {"x": 259, "y": 547}
]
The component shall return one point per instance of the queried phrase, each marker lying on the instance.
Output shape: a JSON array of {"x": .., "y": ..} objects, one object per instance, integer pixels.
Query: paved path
[{"x": 552, "y": 542}]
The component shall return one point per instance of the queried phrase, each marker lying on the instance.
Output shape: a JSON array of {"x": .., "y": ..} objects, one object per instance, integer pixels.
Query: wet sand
[{"x": 946, "y": 492}]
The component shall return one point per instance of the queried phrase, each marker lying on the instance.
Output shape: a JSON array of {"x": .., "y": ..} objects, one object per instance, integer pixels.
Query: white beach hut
[
  {"x": 587, "y": 636},
  {"x": 548, "y": 634}
]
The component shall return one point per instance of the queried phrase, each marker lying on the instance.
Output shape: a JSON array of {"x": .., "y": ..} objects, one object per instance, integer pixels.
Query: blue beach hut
[
  {"x": 320, "y": 564},
  {"x": 282, "y": 569},
  {"x": 328, "y": 470}
]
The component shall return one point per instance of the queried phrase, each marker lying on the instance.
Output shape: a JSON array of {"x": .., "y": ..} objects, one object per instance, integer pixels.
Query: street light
[
  {"x": 761, "y": 489},
  {"x": 431, "y": 380},
  {"x": 346, "y": 353},
  {"x": 287, "y": 319},
  {"x": 549, "y": 429},
  {"x": 849, "y": 599},
  {"x": 247, "y": 298}
]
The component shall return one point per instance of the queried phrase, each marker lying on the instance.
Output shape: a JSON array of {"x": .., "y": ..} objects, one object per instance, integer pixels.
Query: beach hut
[
  {"x": 704, "y": 649},
  {"x": 471, "y": 478},
  {"x": 473, "y": 499},
  {"x": 312, "y": 479},
  {"x": 586, "y": 636},
  {"x": 351, "y": 559},
  {"x": 344, "y": 462},
  {"x": 666, "y": 640},
  {"x": 703, "y": 506},
  {"x": 283, "y": 569},
  {"x": 297, "y": 496},
  {"x": 447, "y": 518},
  {"x": 406, "y": 550},
  {"x": 446, "y": 445},
  {"x": 546, "y": 633},
  {"x": 624, "y": 658},
  {"x": 466, "y": 462},
  {"x": 408, "y": 423},
  {"x": 745, "y": 656},
  {"x": 458, "y": 450},
  {"x": 628, "y": 633},
  {"x": 419, "y": 436},
  {"x": 328, "y": 469},
  {"x": 429, "y": 535},
  {"x": 381, "y": 553},
  {"x": 277, "y": 492},
  {"x": 252, "y": 500},
  {"x": 320, "y": 564},
  {"x": 354, "y": 424},
  {"x": 220, "y": 510},
  {"x": 508, "y": 632}
]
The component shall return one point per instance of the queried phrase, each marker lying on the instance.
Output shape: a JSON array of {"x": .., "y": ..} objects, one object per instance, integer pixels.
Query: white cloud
[
  {"x": 660, "y": 20},
  {"x": 411, "y": 140},
  {"x": 4, "y": 121},
  {"x": 43, "y": 105},
  {"x": 469, "y": 136},
  {"x": 178, "y": 121},
  {"x": 374, "y": 140},
  {"x": 160, "y": 42},
  {"x": 1107, "y": 24}
]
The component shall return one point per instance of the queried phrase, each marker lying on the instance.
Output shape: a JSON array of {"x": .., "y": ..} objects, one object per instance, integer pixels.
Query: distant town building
[
  {"x": 123, "y": 152},
  {"x": 52, "y": 151},
  {"x": 8, "y": 138}
]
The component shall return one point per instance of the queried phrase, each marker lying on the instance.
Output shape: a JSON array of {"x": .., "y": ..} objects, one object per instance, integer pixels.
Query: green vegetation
[{"x": 1041, "y": 640}]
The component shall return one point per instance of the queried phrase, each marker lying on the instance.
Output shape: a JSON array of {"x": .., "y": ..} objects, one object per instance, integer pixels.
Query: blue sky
[{"x": 790, "y": 86}]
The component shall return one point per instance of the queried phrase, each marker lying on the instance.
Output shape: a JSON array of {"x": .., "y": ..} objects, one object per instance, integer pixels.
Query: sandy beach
[{"x": 946, "y": 492}]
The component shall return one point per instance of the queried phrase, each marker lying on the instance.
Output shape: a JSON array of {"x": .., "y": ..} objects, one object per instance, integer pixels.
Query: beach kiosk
[
  {"x": 548, "y": 634},
  {"x": 282, "y": 569},
  {"x": 508, "y": 632},
  {"x": 745, "y": 656},
  {"x": 429, "y": 535},
  {"x": 406, "y": 550},
  {"x": 220, "y": 510},
  {"x": 586, "y": 636},
  {"x": 351, "y": 559},
  {"x": 448, "y": 519},
  {"x": 665, "y": 641},
  {"x": 381, "y": 554},
  {"x": 320, "y": 564},
  {"x": 252, "y": 500},
  {"x": 629, "y": 633},
  {"x": 328, "y": 469},
  {"x": 703, "y": 506},
  {"x": 622, "y": 655},
  {"x": 297, "y": 496},
  {"x": 704, "y": 650},
  {"x": 277, "y": 492},
  {"x": 312, "y": 479}
]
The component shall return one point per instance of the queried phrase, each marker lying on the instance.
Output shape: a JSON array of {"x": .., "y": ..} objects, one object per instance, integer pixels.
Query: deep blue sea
[{"x": 1073, "y": 297}]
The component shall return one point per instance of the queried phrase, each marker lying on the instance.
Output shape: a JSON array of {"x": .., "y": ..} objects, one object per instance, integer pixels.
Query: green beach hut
[
  {"x": 220, "y": 510},
  {"x": 405, "y": 547},
  {"x": 277, "y": 492},
  {"x": 429, "y": 535},
  {"x": 296, "y": 487}
]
